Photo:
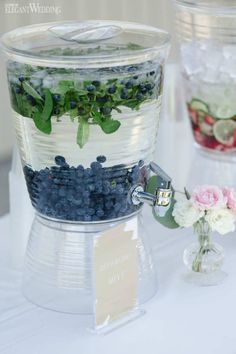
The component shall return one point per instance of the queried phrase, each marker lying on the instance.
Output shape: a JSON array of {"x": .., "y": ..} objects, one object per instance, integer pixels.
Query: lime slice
[
  {"x": 224, "y": 112},
  {"x": 199, "y": 105},
  {"x": 223, "y": 131}
]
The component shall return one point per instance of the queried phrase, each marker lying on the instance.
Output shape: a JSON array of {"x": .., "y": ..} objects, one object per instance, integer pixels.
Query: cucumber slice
[
  {"x": 223, "y": 131},
  {"x": 199, "y": 105}
]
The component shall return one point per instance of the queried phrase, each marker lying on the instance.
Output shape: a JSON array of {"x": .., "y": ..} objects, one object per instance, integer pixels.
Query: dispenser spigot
[{"x": 160, "y": 200}]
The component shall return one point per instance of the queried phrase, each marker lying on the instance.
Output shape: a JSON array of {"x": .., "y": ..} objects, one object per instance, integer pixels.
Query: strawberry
[
  {"x": 193, "y": 114},
  {"x": 209, "y": 120}
]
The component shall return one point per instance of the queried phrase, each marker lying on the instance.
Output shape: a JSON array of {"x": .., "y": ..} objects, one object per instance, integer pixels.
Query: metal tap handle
[
  {"x": 160, "y": 200},
  {"x": 163, "y": 179}
]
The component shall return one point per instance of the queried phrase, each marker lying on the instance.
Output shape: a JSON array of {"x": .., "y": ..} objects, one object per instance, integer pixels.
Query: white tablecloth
[{"x": 181, "y": 319}]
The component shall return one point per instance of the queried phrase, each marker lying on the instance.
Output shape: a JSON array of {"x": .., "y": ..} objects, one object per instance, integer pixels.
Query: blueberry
[
  {"x": 109, "y": 204},
  {"x": 101, "y": 158},
  {"x": 81, "y": 111},
  {"x": 21, "y": 78},
  {"x": 100, "y": 213},
  {"x": 91, "y": 187},
  {"x": 139, "y": 96},
  {"x": 62, "y": 192},
  {"x": 117, "y": 206},
  {"x": 77, "y": 201},
  {"x": 102, "y": 99},
  {"x": 86, "y": 194},
  {"x": 96, "y": 166},
  {"x": 152, "y": 72},
  {"x": 142, "y": 88},
  {"x": 95, "y": 218},
  {"x": 31, "y": 100},
  {"x": 131, "y": 68},
  {"x": 90, "y": 211},
  {"x": 106, "y": 110},
  {"x": 124, "y": 94},
  {"x": 80, "y": 212},
  {"x": 56, "y": 98},
  {"x": 129, "y": 84},
  {"x": 91, "y": 88},
  {"x": 87, "y": 218},
  {"x": 119, "y": 189},
  {"x": 73, "y": 104},
  {"x": 111, "y": 89},
  {"x": 96, "y": 83},
  {"x": 98, "y": 184},
  {"x": 135, "y": 77},
  {"x": 80, "y": 171},
  {"x": 148, "y": 86},
  {"x": 88, "y": 172},
  {"x": 18, "y": 90},
  {"x": 56, "y": 111},
  {"x": 60, "y": 160}
]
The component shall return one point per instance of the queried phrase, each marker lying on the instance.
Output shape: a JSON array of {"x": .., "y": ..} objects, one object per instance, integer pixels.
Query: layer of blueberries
[{"x": 84, "y": 194}]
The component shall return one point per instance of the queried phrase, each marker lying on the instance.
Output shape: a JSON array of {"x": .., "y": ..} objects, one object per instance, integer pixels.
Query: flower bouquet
[{"x": 207, "y": 209}]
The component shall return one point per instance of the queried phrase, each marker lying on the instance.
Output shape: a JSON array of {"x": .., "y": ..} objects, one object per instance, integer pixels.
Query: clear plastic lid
[
  {"x": 88, "y": 43},
  {"x": 223, "y": 7}
]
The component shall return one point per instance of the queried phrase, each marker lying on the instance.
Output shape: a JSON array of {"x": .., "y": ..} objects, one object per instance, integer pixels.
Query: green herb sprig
[{"x": 87, "y": 102}]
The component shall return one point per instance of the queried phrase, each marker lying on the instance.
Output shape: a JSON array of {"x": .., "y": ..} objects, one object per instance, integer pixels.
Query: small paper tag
[{"x": 116, "y": 273}]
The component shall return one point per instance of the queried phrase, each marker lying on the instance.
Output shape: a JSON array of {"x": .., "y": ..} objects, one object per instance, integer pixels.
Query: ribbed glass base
[{"x": 59, "y": 265}]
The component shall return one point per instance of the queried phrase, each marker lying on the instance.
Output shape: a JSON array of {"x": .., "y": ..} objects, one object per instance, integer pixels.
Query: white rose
[
  {"x": 221, "y": 220},
  {"x": 185, "y": 214}
]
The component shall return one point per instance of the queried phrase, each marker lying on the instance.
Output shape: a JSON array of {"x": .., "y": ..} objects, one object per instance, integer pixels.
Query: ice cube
[
  {"x": 191, "y": 57},
  {"x": 40, "y": 74},
  {"x": 229, "y": 51},
  {"x": 211, "y": 52},
  {"x": 210, "y": 75},
  {"x": 48, "y": 82},
  {"x": 229, "y": 67}
]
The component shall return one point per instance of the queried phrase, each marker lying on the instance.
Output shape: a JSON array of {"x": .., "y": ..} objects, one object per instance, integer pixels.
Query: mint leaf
[
  {"x": 48, "y": 106},
  {"x": 73, "y": 114},
  {"x": 65, "y": 85},
  {"x": 110, "y": 126},
  {"x": 42, "y": 125},
  {"x": 167, "y": 220},
  {"x": 97, "y": 117},
  {"x": 83, "y": 132},
  {"x": 31, "y": 91}
]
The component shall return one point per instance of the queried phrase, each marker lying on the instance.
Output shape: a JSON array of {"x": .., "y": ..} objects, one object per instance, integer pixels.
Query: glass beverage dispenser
[{"x": 85, "y": 99}]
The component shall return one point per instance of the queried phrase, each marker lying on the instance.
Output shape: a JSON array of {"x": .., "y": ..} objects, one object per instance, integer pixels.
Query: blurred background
[{"x": 153, "y": 12}]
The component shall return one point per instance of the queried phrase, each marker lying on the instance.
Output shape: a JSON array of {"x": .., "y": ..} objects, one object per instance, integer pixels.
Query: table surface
[{"x": 180, "y": 319}]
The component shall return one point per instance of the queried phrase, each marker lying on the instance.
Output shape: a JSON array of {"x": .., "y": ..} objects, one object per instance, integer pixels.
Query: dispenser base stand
[{"x": 59, "y": 266}]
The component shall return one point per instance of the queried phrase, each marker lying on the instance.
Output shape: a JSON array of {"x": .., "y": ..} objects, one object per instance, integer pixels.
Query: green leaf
[
  {"x": 48, "y": 106},
  {"x": 31, "y": 91},
  {"x": 73, "y": 113},
  {"x": 97, "y": 117},
  {"x": 167, "y": 220},
  {"x": 42, "y": 125},
  {"x": 110, "y": 126},
  {"x": 83, "y": 132},
  {"x": 65, "y": 85}
]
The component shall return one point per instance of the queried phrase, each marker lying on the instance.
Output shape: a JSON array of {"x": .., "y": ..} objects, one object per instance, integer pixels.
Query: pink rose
[
  {"x": 208, "y": 197},
  {"x": 230, "y": 195}
]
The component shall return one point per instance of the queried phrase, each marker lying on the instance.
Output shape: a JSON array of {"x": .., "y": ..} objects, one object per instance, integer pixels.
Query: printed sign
[{"x": 116, "y": 272}]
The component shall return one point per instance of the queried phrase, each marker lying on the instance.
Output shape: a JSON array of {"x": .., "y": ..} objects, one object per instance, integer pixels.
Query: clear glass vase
[
  {"x": 205, "y": 258},
  {"x": 207, "y": 43}
]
